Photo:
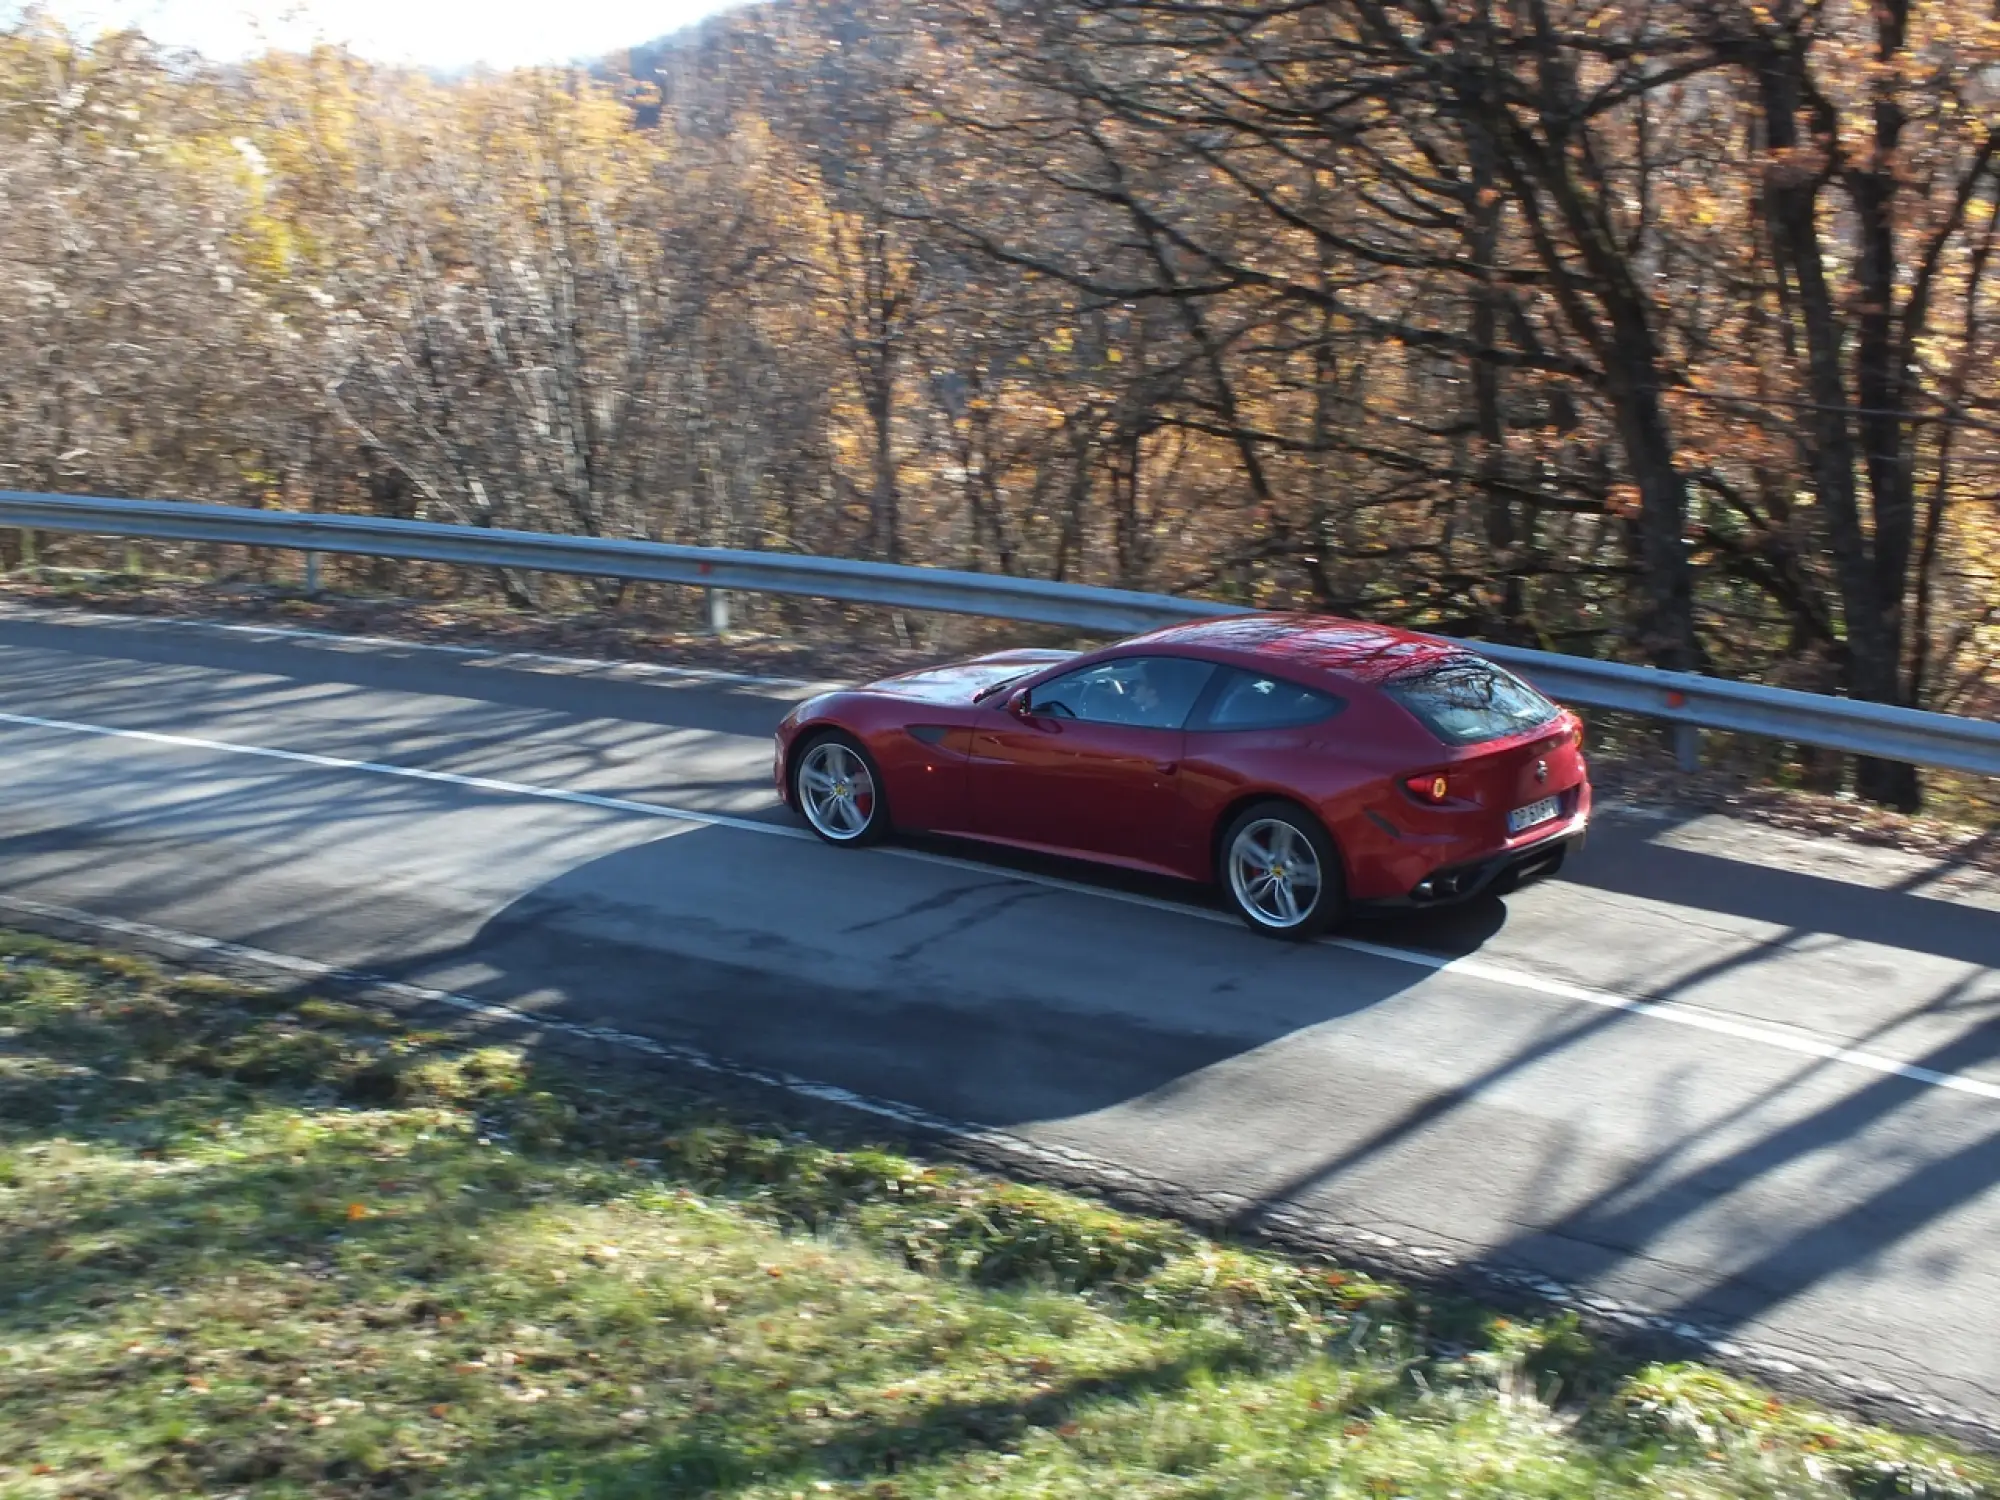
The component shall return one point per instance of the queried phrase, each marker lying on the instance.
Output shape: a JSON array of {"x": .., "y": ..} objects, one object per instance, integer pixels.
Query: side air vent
[{"x": 930, "y": 734}]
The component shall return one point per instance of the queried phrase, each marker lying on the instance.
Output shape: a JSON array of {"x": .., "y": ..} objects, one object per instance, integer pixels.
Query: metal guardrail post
[
  {"x": 1687, "y": 747},
  {"x": 715, "y": 603},
  {"x": 312, "y": 573}
]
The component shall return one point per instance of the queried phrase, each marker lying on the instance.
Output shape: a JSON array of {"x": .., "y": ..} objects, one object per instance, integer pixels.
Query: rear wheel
[
  {"x": 1281, "y": 872},
  {"x": 837, "y": 787}
]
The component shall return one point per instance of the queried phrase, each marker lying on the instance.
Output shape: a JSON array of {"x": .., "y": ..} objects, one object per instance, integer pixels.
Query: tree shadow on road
[{"x": 1857, "y": 1195}]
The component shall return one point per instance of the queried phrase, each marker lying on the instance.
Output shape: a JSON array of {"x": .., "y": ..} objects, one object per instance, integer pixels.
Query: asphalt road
[{"x": 1738, "y": 1079}]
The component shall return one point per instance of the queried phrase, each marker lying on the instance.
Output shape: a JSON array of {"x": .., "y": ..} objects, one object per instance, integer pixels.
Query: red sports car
[{"x": 1303, "y": 763}]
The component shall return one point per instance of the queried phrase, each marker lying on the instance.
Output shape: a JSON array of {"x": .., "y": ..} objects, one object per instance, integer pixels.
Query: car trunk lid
[{"x": 1523, "y": 783}]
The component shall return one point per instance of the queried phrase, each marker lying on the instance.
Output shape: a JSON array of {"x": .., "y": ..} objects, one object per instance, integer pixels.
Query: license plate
[{"x": 1529, "y": 816}]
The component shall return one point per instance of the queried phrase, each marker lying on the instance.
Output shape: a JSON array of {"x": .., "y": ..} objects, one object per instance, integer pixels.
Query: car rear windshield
[{"x": 1466, "y": 700}]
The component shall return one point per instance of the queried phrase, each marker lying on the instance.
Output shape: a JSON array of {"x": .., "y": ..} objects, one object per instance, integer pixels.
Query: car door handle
[{"x": 1166, "y": 767}]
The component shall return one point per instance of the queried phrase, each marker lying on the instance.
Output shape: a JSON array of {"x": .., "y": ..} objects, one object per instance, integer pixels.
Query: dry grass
[{"x": 263, "y": 1244}]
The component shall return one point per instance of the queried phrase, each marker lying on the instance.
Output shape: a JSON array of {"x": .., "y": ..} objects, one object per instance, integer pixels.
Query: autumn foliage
[{"x": 1652, "y": 328}]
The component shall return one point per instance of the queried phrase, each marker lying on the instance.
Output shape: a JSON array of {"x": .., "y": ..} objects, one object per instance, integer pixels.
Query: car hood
[{"x": 957, "y": 682}]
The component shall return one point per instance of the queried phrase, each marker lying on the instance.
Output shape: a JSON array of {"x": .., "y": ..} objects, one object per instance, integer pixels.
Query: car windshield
[{"x": 1467, "y": 700}]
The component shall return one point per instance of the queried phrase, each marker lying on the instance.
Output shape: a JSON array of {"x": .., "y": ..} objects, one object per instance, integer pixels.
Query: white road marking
[
  {"x": 1784, "y": 1039},
  {"x": 1789, "y": 1039},
  {"x": 411, "y": 773}
]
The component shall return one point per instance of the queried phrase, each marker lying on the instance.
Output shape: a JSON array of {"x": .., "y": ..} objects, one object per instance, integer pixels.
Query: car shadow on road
[{"x": 969, "y": 990}]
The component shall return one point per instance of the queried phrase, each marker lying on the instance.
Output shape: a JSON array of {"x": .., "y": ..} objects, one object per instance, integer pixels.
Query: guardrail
[{"x": 1684, "y": 699}]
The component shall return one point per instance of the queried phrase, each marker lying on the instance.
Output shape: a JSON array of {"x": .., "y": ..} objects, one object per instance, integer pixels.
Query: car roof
[{"x": 1352, "y": 649}]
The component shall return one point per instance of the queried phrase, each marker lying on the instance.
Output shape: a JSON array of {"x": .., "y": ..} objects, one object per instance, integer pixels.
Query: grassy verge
[{"x": 263, "y": 1244}]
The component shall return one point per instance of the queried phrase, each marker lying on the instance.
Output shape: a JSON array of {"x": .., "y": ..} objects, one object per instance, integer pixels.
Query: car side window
[
  {"x": 1147, "y": 692},
  {"x": 1251, "y": 700}
]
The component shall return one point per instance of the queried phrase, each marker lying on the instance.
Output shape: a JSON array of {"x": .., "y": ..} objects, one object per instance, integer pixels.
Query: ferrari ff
[{"x": 1306, "y": 765}]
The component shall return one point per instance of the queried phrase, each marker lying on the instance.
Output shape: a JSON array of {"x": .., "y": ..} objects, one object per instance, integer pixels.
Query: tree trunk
[{"x": 1871, "y": 594}]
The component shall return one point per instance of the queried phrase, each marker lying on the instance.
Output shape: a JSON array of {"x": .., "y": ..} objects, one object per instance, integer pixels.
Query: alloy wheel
[
  {"x": 1275, "y": 874},
  {"x": 837, "y": 792}
]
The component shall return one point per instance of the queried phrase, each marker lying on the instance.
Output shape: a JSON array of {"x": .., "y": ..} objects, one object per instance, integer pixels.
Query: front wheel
[
  {"x": 839, "y": 790},
  {"x": 1281, "y": 872}
]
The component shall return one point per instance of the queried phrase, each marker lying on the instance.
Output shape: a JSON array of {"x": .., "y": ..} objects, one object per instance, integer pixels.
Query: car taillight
[
  {"x": 1576, "y": 733},
  {"x": 1433, "y": 788}
]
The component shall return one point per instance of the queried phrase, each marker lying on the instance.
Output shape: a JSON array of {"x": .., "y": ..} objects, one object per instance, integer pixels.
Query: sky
[{"x": 446, "y": 34}]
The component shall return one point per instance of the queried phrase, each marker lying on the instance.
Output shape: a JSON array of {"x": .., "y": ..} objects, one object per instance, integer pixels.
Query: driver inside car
[
  {"x": 1130, "y": 696},
  {"x": 1142, "y": 699}
]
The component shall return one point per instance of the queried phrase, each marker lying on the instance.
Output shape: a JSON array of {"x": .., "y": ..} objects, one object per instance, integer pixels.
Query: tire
[
  {"x": 834, "y": 781},
  {"x": 1279, "y": 835}
]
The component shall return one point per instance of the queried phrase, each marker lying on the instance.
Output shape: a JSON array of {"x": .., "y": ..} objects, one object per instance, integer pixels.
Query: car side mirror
[{"x": 1021, "y": 705}]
